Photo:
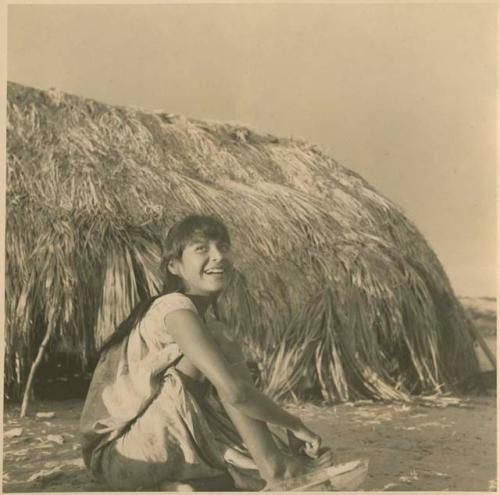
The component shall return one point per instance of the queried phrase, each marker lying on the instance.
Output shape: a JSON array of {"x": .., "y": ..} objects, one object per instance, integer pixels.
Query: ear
[{"x": 172, "y": 267}]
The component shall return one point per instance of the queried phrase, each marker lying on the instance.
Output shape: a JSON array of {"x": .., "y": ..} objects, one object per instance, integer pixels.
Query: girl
[{"x": 171, "y": 399}]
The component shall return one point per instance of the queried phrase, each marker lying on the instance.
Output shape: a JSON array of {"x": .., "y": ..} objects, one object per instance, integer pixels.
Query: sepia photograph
[{"x": 250, "y": 246}]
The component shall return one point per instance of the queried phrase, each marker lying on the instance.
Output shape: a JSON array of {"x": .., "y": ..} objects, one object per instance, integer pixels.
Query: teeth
[{"x": 214, "y": 271}]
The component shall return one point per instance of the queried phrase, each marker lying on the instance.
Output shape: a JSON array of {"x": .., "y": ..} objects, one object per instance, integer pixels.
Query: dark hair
[{"x": 192, "y": 227}]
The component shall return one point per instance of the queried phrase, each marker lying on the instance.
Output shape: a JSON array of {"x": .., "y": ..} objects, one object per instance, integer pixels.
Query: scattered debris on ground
[{"x": 444, "y": 443}]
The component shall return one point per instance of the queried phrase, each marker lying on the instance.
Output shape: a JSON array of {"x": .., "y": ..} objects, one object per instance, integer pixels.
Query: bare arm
[{"x": 201, "y": 348}]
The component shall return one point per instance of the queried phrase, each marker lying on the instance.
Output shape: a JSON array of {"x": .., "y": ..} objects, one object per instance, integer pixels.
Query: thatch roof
[{"x": 340, "y": 291}]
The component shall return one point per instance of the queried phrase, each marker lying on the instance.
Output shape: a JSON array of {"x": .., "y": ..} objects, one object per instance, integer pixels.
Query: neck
[{"x": 201, "y": 302}]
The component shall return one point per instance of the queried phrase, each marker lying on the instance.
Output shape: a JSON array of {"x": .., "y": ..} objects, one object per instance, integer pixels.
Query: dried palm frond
[{"x": 336, "y": 293}]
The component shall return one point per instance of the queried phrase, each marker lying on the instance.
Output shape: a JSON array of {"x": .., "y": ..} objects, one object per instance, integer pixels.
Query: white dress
[{"x": 145, "y": 423}]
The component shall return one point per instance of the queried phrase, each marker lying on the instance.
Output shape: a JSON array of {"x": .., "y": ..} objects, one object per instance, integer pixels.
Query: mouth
[{"x": 214, "y": 271}]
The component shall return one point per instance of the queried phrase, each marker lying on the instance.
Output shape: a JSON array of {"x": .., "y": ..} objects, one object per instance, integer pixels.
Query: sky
[{"x": 403, "y": 94}]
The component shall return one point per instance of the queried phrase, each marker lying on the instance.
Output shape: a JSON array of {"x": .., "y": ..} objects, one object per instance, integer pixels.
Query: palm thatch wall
[{"x": 335, "y": 291}]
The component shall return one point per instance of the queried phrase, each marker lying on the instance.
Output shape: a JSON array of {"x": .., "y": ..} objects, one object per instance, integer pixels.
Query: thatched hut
[{"x": 335, "y": 290}]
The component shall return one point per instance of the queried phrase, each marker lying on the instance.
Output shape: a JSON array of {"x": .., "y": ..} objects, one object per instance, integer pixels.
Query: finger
[
  {"x": 319, "y": 442},
  {"x": 311, "y": 452},
  {"x": 294, "y": 443},
  {"x": 316, "y": 443},
  {"x": 312, "y": 448}
]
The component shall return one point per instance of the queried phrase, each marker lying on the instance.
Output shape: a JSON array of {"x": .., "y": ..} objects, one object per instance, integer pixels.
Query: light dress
[{"x": 145, "y": 423}]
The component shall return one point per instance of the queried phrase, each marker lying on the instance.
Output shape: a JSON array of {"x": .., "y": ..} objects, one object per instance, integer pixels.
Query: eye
[
  {"x": 224, "y": 247},
  {"x": 200, "y": 248}
]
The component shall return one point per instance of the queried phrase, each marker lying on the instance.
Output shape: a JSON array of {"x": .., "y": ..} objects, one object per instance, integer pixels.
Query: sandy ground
[
  {"x": 410, "y": 447},
  {"x": 415, "y": 448}
]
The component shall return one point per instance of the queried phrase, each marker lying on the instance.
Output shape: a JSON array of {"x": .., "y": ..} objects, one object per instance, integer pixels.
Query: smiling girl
[{"x": 172, "y": 400}]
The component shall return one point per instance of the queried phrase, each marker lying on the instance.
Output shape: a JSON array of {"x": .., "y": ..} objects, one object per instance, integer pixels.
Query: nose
[{"x": 215, "y": 253}]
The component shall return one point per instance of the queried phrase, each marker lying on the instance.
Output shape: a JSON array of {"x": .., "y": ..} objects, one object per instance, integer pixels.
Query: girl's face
[{"x": 203, "y": 267}]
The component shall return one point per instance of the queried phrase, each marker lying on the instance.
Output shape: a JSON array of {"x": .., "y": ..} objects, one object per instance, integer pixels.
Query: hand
[{"x": 302, "y": 439}]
